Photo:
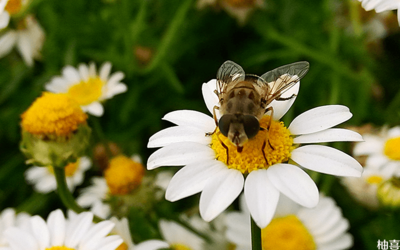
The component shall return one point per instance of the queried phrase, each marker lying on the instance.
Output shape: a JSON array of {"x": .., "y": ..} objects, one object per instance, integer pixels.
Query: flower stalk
[{"x": 255, "y": 236}]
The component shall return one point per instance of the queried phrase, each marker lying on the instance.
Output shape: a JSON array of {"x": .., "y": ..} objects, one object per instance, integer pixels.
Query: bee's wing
[
  {"x": 281, "y": 79},
  {"x": 228, "y": 73}
]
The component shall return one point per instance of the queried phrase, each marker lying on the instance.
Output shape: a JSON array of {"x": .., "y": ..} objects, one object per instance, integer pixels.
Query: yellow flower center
[
  {"x": 374, "y": 179},
  {"x": 13, "y": 6},
  {"x": 86, "y": 92},
  {"x": 252, "y": 157},
  {"x": 287, "y": 233},
  {"x": 240, "y": 3},
  {"x": 123, "y": 246},
  {"x": 123, "y": 175},
  {"x": 180, "y": 247},
  {"x": 59, "y": 248},
  {"x": 392, "y": 148},
  {"x": 70, "y": 169},
  {"x": 53, "y": 114}
]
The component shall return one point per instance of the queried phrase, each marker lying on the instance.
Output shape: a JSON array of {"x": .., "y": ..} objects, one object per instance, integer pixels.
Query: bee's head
[{"x": 239, "y": 128}]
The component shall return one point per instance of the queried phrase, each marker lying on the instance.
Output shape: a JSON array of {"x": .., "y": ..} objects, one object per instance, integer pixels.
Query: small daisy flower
[
  {"x": 239, "y": 9},
  {"x": 87, "y": 87},
  {"x": 9, "y": 218},
  {"x": 294, "y": 227},
  {"x": 122, "y": 229},
  {"x": 9, "y": 8},
  {"x": 220, "y": 183},
  {"x": 381, "y": 6},
  {"x": 380, "y": 149},
  {"x": 178, "y": 237},
  {"x": 122, "y": 178},
  {"x": 389, "y": 192},
  {"x": 59, "y": 233},
  {"x": 44, "y": 180},
  {"x": 28, "y": 38}
]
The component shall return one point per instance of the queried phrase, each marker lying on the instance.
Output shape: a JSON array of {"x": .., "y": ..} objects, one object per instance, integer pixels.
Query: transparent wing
[
  {"x": 228, "y": 72},
  {"x": 283, "y": 78}
]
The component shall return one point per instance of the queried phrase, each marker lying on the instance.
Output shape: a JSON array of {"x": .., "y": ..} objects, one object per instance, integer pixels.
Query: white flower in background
[
  {"x": 365, "y": 189},
  {"x": 95, "y": 196},
  {"x": 9, "y": 8},
  {"x": 4, "y": 15},
  {"x": 28, "y": 38},
  {"x": 44, "y": 181},
  {"x": 239, "y": 9},
  {"x": 205, "y": 159},
  {"x": 88, "y": 87},
  {"x": 58, "y": 233},
  {"x": 9, "y": 218},
  {"x": 122, "y": 229},
  {"x": 294, "y": 227},
  {"x": 381, "y": 5},
  {"x": 380, "y": 148},
  {"x": 179, "y": 237}
]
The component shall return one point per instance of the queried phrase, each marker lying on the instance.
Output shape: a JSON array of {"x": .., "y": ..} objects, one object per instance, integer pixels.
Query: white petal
[
  {"x": 4, "y": 19},
  {"x": 191, "y": 118},
  {"x": 326, "y": 160},
  {"x": 24, "y": 46},
  {"x": 115, "y": 78},
  {"x": 344, "y": 242},
  {"x": 71, "y": 74},
  {"x": 178, "y": 134},
  {"x": 210, "y": 98},
  {"x": 151, "y": 245},
  {"x": 20, "y": 239},
  {"x": 220, "y": 192},
  {"x": 281, "y": 107},
  {"x": 294, "y": 183},
  {"x": 261, "y": 197},
  {"x": 114, "y": 90},
  {"x": 57, "y": 85},
  {"x": 329, "y": 135},
  {"x": 83, "y": 71},
  {"x": 95, "y": 108},
  {"x": 372, "y": 144},
  {"x": 108, "y": 243},
  {"x": 340, "y": 228},
  {"x": 96, "y": 233},
  {"x": 393, "y": 132},
  {"x": 40, "y": 231},
  {"x": 238, "y": 225},
  {"x": 192, "y": 178},
  {"x": 318, "y": 119},
  {"x": 105, "y": 71},
  {"x": 77, "y": 228},
  {"x": 376, "y": 161},
  {"x": 179, "y": 154},
  {"x": 7, "y": 42},
  {"x": 57, "y": 227}
]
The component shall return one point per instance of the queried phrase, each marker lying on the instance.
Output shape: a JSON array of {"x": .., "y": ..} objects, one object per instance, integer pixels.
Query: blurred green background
[{"x": 167, "y": 49}]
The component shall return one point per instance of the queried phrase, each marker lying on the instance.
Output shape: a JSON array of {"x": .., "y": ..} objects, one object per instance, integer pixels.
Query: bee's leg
[
  {"x": 269, "y": 126},
  {"x": 216, "y": 121},
  {"x": 226, "y": 148},
  {"x": 285, "y": 98},
  {"x": 262, "y": 150}
]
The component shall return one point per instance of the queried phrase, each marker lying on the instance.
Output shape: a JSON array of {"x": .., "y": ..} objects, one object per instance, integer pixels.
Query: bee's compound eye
[
  {"x": 224, "y": 124},
  {"x": 251, "y": 125}
]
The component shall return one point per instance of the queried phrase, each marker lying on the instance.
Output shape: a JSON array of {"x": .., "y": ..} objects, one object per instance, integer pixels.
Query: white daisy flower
[
  {"x": 88, "y": 87},
  {"x": 294, "y": 227},
  {"x": 28, "y": 38},
  {"x": 179, "y": 237},
  {"x": 9, "y": 218},
  {"x": 58, "y": 233},
  {"x": 365, "y": 189},
  {"x": 381, "y": 5},
  {"x": 95, "y": 196},
  {"x": 380, "y": 149},
  {"x": 44, "y": 181},
  {"x": 205, "y": 159},
  {"x": 122, "y": 229},
  {"x": 9, "y": 8}
]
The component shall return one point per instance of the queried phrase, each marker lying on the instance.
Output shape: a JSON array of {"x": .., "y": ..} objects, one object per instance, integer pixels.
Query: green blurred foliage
[{"x": 188, "y": 45}]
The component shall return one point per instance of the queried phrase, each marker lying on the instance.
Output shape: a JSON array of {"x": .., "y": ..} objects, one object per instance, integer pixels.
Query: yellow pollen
[
  {"x": 13, "y": 6},
  {"x": 252, "y": 158},
  {"x": 240, "y": 3},
  {"x": 392, "y": 148},
  {"x": 180, "y": 247},
  {"x": 123, "y": 246},
  {"x": 53, "y": 114},
  {"x": 374, "y": 179},
  {"x": 59, "y": 248},
  {"x": 86, "y": 92},
  {"x": 287, "y": 233},
  {"x": 123, "y": 175}
]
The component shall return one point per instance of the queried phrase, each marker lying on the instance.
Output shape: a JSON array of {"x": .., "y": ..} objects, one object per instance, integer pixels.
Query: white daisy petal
[
  {"x": 261, "y": 197},
  {"x": 294, "y": 183},
  {"x": 57, "y": 85},
  {"x": 238, "y": 226},
  {"x": 210, "y": 98},
  {"x": 338, "y": 230},
  {"x": 318, "y": 119},
  {"x": 57, "y": 227},
  {"x": 220, "y": 192},
  {"x": 343, "y": 242},
  {"x": 7, "y": 42},
  {"x": 115, "y": 90},
  {"x": 20, "y": 239},
  {"x": 105, "y": 70},
  {"x": 71, "y": 74},
  {"x": 326, "y": 160},
  {"x": 115, "y": 78},
  {"x": 95, "y": 234},
  {"x": 77, "y": 228},
  {"x": 329, "y": 135},
  {"x": 393, "y": 132},
  {"x": 83, "y": 71},
  {"x": 192, "y": 178},
  {"x": 178, "y": 134},
  {"x": 40, "y": 231},
  {"x": 191, "y": 118},
  {"x": 4, "y": 19},
  {"x": 95, "y": 108},
  {"x": 152, "y": 245},
  {"x": 281, "y": 107},
  {"x": 108, "y": 243},
  {"x": 179, "y": 154}
]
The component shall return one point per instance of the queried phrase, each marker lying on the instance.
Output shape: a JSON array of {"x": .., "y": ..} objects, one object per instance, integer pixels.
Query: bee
[{"x": 244, "y": 99}]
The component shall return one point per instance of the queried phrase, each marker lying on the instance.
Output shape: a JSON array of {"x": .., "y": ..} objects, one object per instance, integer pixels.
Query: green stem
[
  {"x": 100, "y": 134},
  {"x": 255, "y": 236}
]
